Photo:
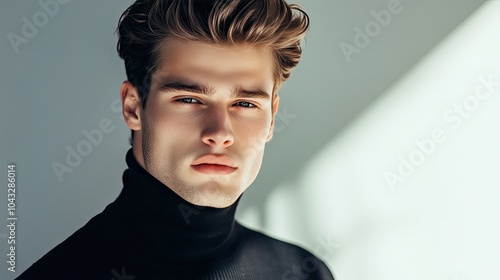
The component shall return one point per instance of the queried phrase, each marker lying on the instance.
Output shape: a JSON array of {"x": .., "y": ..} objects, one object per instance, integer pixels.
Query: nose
[{"x": 217, "y": 131}]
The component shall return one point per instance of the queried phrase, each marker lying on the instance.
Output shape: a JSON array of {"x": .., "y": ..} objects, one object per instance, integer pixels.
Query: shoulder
[
  {"x": 83, "y": 249},
  {"x": 256, "y": 237},
  {"x": 296, "y": 261}
]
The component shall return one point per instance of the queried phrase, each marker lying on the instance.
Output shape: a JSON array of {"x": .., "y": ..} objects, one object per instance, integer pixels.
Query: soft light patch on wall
[{"x": 409, "y": 190}]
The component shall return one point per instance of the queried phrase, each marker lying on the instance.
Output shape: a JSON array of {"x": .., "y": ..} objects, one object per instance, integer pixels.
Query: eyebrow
[{"x": 206, "y": 90}]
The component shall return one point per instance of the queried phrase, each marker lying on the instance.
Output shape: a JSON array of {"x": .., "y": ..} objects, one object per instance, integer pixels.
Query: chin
[{"x": 216, "y": 197}]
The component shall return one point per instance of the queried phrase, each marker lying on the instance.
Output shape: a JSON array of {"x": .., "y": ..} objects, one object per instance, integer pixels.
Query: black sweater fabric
[{"x": 149, "y": 232}]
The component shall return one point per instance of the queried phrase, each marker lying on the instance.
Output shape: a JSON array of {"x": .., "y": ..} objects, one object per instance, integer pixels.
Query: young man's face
[{"x": 206, "y": 146}]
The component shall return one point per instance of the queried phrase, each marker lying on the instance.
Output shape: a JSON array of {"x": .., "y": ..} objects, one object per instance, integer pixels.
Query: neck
[{"x": 174, "y": 227}]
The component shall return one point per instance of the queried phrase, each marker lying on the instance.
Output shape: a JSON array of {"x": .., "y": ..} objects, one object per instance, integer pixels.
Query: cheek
[
  {"x": 253, "y": 141},
  {"x": 169, "y": 131}
]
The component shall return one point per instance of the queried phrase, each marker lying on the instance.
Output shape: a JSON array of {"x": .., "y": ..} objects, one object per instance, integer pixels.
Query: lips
[
  {"x": 214, "y": 169},
  {"x": 214, "y": 164},
  {"x": 215, "y": 159}
]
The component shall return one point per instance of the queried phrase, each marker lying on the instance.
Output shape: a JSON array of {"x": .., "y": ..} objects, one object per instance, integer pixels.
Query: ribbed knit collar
[{"x": 168, "y": 226}]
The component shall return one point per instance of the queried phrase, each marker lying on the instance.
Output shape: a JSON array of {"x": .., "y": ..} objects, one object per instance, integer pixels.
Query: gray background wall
[{"x": 66, "y": 79}]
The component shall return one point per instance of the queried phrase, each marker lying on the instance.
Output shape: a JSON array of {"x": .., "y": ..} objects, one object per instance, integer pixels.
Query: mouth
[
  {"x": 209, "y": 168},
  {"x": 214, "y": 164}
]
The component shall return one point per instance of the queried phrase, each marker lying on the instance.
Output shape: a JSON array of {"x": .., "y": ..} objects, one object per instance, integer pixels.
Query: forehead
[{"x": 213, "y": 64}]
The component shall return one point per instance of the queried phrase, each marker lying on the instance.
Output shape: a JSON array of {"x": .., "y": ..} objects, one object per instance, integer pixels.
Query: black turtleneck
[{"x": 149, "y": 232}]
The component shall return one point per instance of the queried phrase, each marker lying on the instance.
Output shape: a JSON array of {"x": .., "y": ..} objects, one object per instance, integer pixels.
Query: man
[{"x": 200, "y": 99}]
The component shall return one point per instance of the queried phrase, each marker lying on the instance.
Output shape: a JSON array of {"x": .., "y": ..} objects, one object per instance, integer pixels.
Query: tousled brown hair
[{"x": 267, "y": 23}]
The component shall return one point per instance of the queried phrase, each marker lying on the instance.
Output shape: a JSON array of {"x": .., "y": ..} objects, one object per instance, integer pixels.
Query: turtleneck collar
[{"x": 171, "y": 227}]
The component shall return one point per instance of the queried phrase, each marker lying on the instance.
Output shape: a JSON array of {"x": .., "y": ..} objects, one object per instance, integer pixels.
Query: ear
[
  {"x": 276, "y": 103},
  {"x": 131, "y": 105}
]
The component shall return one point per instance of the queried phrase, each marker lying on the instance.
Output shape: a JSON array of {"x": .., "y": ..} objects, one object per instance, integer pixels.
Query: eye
[
  {"x": 245, "y": 104},
  {"x": 188, "y": 100}
]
